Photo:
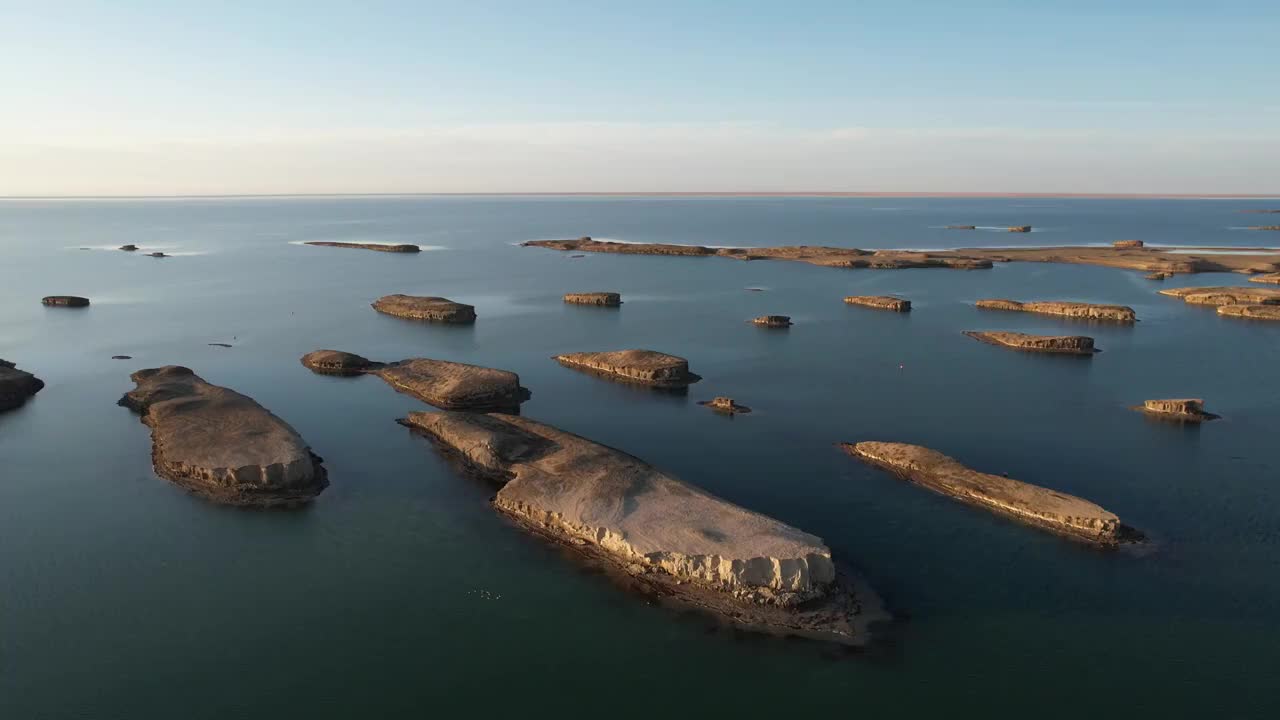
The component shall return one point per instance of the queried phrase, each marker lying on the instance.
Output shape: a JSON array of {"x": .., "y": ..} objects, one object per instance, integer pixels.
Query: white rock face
[{"x": 580, "y": 490}]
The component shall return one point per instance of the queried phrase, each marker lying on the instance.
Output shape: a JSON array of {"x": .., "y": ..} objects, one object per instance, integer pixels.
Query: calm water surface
[{"x": 400, "y": 593}]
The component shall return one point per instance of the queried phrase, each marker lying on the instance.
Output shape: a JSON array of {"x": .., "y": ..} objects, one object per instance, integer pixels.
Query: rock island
[
  {"x": 431, "y": 309},
  {"x": 220, "y": 444},
  {"x": 880, "y": 302},
  {"x": 1062, "y": 344},
  {"x": 16, "y": 386},
  {"x": 379, "y": 247},
  {"x": 448, "y": 385},
  {"x": 1058, "y": 512},
  {"x": 1088, "y": 311},
  {"x": 646, "y": 367},
  {"x": 673, "y": 538}
]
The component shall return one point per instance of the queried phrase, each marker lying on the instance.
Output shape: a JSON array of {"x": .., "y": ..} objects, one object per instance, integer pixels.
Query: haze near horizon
[{"x": 280, "y": 98}]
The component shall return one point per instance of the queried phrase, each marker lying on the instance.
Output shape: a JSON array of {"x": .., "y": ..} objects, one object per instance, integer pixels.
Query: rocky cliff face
[
  {"x": 221, "y": 444},
  {"x": 606, "y": 299},
  {"x": 1088, "y": 311},
  {"x": 1184, "y": 409},
  {"x": 1252, "y": 312},
  {"x": 16, "y": 386},
  {"x": 642, "y": 366},
  {"x": 1059, "y": 512},
  {"x": 1062, "y": 344},
  {"x": 880, "y": 302},
  {"x": 377, "y": 247},
  {"x": 432, "y": 309},
  {"x": 1228, "y": 295},
  {"x": 573, "y": 488}
]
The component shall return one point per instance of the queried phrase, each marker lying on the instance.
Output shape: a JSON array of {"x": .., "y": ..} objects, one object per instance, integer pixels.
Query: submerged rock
[
  {"x": 432, "y": 309},
  {"x": 1252, "y": 312},
  {"x": 1183, "y": 409},
  {"x": 962, "y": 227},
  {"x": 65, "y": 301},
  {"x": 880, "y": 302},
  {"x": 678, "y": 539},
  {"x": 336, "y": 362},
  {"x": 1229, "y": 295},
  {"x": 642, "y": 366},
  {"x": 1088, "y": 311},
  {"x": 455, "y": 386},
  {"x": 607, "y": 299},
  {"x": 1063, "y": 344},
  {"x": 379, "y": 247},
  {"x": 725, "y": 405},
  {"x": 1127, "y": 244},
  {"x": 16, "y": 385},
  {"x": 129, "y": 248},
  {"x": 157, "y": 255},
  {"x": 773, "y": 321},
  {"x": 1049, "y": 509},
  {"x": 220, "y": 444},
  {"x": 121, "y": 357}
]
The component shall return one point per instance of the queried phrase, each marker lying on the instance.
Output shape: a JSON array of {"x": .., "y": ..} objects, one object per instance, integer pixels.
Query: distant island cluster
[{"x": 657, "y": 532}]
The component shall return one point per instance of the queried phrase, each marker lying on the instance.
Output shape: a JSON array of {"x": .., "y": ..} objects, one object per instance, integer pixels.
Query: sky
[{"x": 237, "y": 97}]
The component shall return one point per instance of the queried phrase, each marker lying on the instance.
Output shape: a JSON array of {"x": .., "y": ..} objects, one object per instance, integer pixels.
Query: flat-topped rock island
[
  {"x": 604, "y": 299},
  {"x": 880, "y": 302},
  {"x": 16, "y": 385},
  {"x": 1055, "y": 511},
  {"x": 1225, "y": 295},
  {"x": 1180, "y": 409},
  {"x": 1086, "y": 311},
  {"x": 646, "y": 367},
  {"x": 427, "y": 308},
  {"x": 1060, "y": 344},
  {"x": 444, "y": 384},
  {"x": 220, "y": 444},
  {"x": 1182, "y": 260},
  {"x": 377, "y": 247},
  {"x": 672, "y": 538}
]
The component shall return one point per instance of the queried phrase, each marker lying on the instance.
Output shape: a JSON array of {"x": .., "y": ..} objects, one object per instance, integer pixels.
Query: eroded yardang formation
[
  {"x": 1146, "y": 259},
  {"x": 1229, "y": 295},
  {"x": 221, "y": 444},
  {"x": 814, "y": 255},
  {"x": 606, "y": 299},
  {"x": 336, "y": 362},
  {"x": 1062, "y": 344},
  {"x": 65, "y": 301},
  {"x": 1181, "y": 409},
  {"x": 640, "y": 366},
  {"x": 432, "y": 309},
  {"x": 1251, "y": 312},
  {"x": 1059, "y": 512},
  {"x": 379, "y": 247},
  {"x": 455, "y": 386},
  {"x": 880, "y": 302},
  {"x": 773, "y": 321},
  {"x": 16, "y": 386},
  {"x": 448, "y": 385},
  {"x": 1088, "y": 311},
  {"x": 675, "y": 537},
  {"x": 1270, "y": 278}
]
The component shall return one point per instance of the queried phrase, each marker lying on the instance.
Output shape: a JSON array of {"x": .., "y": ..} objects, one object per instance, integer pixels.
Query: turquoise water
[{"x": 400, "y": 593}]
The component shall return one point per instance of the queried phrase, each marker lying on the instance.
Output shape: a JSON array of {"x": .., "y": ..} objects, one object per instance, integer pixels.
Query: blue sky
[{"x": 179, "y": 98}]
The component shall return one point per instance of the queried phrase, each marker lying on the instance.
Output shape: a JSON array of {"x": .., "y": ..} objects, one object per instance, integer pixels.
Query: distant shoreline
[{"x": 725, "y": 194}]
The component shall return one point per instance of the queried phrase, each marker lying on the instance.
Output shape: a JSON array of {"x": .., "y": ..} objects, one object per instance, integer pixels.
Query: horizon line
[{"x": 663, "y": 193}]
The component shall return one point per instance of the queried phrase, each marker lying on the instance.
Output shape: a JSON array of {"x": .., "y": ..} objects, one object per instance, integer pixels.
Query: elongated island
[{"x": 671, "y": 538}]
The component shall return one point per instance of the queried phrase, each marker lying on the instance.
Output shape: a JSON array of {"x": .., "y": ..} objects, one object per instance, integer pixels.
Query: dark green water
[{"x": 400, "y": 593}]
